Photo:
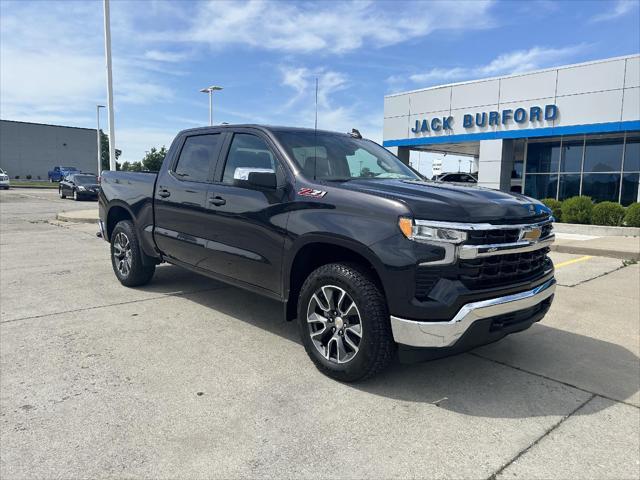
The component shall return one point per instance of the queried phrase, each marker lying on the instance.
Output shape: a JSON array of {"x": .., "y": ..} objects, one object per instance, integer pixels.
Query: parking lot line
[{"x": 575, "y": 260}]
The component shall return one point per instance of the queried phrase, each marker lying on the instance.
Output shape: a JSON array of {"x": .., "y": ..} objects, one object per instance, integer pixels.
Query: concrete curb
[
  {"x": 595, "y": 252},
  {"x": 78, "y": 216},
  {"x": 596, "y": 230}
]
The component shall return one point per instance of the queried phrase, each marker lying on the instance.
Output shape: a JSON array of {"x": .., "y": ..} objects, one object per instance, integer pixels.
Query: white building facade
[{"x": 554, "y": 133}]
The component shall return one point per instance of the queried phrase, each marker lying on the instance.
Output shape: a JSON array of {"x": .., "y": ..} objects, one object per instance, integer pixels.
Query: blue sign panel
[{"x": 493, "y": 118}]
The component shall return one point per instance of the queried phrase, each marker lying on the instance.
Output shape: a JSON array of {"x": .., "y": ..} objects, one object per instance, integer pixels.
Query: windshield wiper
[{"x": 337, "y": 179}]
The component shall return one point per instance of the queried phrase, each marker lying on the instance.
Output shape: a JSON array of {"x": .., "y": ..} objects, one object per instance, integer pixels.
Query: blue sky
[{"x": 267, "y": 55}]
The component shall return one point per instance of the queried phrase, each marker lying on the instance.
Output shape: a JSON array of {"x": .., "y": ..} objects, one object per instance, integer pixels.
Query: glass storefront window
[
  {"x": 629, "y": 188},
  {"x": 603, "y": 155},
  {"x": 632, "y": 154},
  {"x": 541, "y": 186},
  {"x": 543, "y": 157},
  {"x": 601, "y": 187},
  {"x": 571, "y": 155},
  {"x": 569, "y": 186}
]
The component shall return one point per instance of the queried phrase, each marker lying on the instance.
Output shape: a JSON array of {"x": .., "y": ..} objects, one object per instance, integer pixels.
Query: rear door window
[{"x": 198, "y": 157}]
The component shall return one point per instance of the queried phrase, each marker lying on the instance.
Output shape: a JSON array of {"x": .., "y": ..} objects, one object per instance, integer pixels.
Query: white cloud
[
  {"x": 135, "y": 142},
  {"x": 335, "y": 27},
  {"x": 302, "y": 80},
  {"x": 164, "y": 56},
  {"x": 61, "y": 67},
  {"x": 513, "y": 62},
  {"x": 622, "y": 7},
  {"x": 300, "y": 110}
]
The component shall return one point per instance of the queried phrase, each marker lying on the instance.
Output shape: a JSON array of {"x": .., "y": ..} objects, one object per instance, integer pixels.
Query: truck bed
[{"x": 129, "y": 187}]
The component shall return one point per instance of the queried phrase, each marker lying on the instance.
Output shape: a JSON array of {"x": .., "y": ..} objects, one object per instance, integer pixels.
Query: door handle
[
  {"x": 217, "y": 201},
  {"x": 164, "y": 193}
]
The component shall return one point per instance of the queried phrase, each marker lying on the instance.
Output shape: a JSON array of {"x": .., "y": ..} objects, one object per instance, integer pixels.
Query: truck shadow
[{"x": 528, "y": 374}]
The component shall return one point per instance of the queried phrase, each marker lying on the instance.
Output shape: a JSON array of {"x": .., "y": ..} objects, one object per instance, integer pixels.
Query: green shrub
[
  {"x": 632, "y": 216},
  {"x": 555, "y": 206},
  {"x": 577, "y": 210},
  {"x": 607, "y": 213},
  {"x": 28, "y": 177}
]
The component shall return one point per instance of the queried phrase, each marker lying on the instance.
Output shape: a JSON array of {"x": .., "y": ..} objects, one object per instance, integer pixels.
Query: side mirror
[{"x": 263, "y": 179}]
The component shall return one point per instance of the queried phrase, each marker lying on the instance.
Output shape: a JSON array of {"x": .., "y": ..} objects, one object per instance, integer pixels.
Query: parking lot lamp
[
  {"x": 210, "y": 91},
  {"x": 107, "y": 51},
  {"x": 98, "y": 107}
]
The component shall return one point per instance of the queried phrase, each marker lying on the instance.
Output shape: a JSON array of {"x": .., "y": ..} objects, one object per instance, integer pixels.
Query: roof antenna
[
  {"x": 316, "y": 124},
  {"x": 315, "y": 140}
]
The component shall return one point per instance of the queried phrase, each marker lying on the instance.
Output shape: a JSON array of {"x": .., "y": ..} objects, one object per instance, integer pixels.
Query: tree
[
  {"x": 153, "y": 159},
  {"x": 104, "y": 152}
]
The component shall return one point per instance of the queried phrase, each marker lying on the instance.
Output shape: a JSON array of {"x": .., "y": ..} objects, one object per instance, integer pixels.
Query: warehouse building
[
  {"x": 34, "y": 148},
  {"x": 558, "y": 132}
]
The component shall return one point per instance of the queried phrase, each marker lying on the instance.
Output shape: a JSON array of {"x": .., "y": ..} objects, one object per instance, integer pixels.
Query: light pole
[
  {"x": 210, "y": 91},
  {"x": 98, "y": 107},
  {"x": 107, "y": 51}
]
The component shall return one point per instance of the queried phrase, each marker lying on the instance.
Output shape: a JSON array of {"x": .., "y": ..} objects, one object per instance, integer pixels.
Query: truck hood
[{"x": 453, "y": 203}]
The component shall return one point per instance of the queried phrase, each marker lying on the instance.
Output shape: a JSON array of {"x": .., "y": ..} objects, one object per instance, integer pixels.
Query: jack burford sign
[{"x": 531, "y": 115}]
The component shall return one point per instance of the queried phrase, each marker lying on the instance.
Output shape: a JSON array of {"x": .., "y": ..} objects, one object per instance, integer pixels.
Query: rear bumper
[{"x": 445, "y": 334}]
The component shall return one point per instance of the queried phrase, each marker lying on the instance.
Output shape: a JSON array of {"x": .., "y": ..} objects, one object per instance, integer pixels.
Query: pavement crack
[
  {"x": 582, "y": 282},
  {"x": 553, "y": 427},
  {"x": 566, "y": 384},
  {"x": 95, "y": 307}
]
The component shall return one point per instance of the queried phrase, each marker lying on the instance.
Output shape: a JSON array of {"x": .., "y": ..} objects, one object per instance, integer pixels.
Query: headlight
[
  {"x": 422, "y": 231},
  {"x": 81, "y": 188}
]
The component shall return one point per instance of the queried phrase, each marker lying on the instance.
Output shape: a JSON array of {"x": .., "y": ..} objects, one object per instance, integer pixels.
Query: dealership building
[
  {"x": 553, "y": 133},
  {"x": 35, "y": 148}
]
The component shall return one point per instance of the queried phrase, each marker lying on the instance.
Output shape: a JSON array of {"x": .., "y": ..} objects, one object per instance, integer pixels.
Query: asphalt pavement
[{"x": 190, "y": 378}]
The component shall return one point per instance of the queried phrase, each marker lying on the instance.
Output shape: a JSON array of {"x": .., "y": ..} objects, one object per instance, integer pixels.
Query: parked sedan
[
  {"x": 460, "y": 178},
  {"x": 4, "y": 180},
  {"x": 79, "y": 186}
]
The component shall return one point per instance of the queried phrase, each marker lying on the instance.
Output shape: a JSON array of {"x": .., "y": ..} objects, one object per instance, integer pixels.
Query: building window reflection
[{"x": 604, "y": 167}]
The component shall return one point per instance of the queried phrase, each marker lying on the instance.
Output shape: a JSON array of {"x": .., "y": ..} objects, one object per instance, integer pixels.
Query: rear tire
[
  {"x": 75, "y": 195},
  {"x": 127, "y": 257},
  {"x": 346, "y": 342}
]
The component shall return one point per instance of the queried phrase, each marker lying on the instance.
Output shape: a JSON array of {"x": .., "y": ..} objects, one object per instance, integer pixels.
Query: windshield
[
  {"x": 68, "y": 168},
  {"x": 86, "y": 179},
  {"x": 328, "y": 156}
]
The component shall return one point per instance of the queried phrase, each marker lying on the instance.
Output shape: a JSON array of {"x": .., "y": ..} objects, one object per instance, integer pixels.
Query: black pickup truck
[{"x": 372, "y": 259}]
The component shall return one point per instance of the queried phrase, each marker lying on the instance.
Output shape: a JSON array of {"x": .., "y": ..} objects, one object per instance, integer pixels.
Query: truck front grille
[
  {"x": 485, "y": 272},
  {"x": 498, "y": 270}
]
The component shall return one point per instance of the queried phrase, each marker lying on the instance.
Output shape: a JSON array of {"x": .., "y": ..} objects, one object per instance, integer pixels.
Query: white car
[{"x": 4, "y": 180}]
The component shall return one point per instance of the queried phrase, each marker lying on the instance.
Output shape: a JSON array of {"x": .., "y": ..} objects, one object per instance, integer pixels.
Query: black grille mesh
[
  {"x": 485, "y": 272},
  {"x": 497, "y": 270}
]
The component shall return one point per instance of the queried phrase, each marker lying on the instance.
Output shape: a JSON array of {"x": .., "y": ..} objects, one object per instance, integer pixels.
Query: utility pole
[
  {"x": 107, "y": 51},
  {"x": 98, "y": 107}
]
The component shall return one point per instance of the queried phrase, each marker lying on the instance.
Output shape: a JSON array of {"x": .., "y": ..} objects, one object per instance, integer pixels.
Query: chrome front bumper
[{"x": 445, "y": 334}]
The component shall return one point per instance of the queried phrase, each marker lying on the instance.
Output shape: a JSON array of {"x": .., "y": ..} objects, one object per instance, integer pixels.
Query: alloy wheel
[
  {"x": 335, "y": 325},
  {"x": 122, "y": 254}
]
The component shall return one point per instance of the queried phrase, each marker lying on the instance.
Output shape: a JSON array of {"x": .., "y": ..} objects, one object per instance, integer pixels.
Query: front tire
[
  {"x": 344, "y": 322},
  {"x": 127, "y": 257},
  {"x": 62, "y": 195}
]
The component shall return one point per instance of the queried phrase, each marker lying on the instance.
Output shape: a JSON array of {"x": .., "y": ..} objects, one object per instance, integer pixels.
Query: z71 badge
[{"x": 310, "y": 192}]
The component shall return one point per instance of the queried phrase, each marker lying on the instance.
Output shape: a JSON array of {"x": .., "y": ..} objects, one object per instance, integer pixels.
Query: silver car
[{"x": 4, "y": 180}]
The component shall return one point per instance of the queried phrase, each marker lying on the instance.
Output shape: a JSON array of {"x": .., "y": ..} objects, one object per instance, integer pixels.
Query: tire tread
[{"x": 384, "y": 347}]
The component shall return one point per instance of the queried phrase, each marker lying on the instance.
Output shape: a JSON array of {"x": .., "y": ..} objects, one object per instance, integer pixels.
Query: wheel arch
[
  {"x": 116, "y": 213},
  {"x": 316, "y": 250}
]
